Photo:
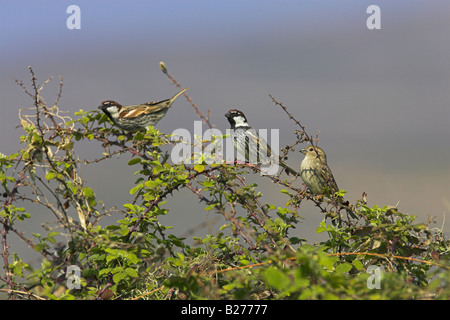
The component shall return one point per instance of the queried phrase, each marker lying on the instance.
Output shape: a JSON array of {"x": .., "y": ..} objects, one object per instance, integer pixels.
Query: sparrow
[
  {"x": 137, "y": 117},
  {"x": 248, "y": 143},
  {"x": 316, "y": 173}
]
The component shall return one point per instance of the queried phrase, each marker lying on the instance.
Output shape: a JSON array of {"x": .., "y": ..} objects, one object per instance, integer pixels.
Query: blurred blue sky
[
  {"x": 380, "y": 98},
  {"x": 37, "y": 25}
]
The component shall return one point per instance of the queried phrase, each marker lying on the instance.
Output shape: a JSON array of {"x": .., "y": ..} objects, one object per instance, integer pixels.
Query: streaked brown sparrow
[
  {"x": 317, "y": 176},
  {"x": 316, "y": 173},
  {"x": 137, "y": 117},
  {"x": 248, "y": 143}
]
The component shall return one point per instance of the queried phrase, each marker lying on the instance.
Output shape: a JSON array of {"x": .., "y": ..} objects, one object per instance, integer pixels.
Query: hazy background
[{"x": 380, "y": 98}]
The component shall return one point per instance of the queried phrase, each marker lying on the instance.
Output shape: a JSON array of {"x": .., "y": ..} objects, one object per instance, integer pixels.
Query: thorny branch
[
  {"x": 197, "y": 111},
  {"x": 49, "y": 150},
  {"x": 337, "y": 202}
]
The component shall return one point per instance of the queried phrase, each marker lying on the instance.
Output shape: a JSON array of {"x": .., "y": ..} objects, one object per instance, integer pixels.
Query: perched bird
[
  {"x": 248, "y": 143},
  {"x": 317, "y": 176},
  {"x": 137, "y": 117},
  {"x": 315, "y": 172}
]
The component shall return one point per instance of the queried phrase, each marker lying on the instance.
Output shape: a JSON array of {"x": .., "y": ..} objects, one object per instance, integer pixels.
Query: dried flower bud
[{"x": 162, "y": 66}]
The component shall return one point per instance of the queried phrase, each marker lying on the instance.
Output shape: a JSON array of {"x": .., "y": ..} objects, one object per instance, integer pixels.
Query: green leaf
[
  {"x": 210, "y": 207},
  {"x": 157, "y": 169},
  {"x": 52, "y": 234},
  {"x": 357, "y": 264},
  {"x": 50, "y": 175},
  {"x": 88, "y": 192},
  {"x": 139, "y": 136},
  {"x": 134, "y": 161},
  {"x": 132, "y": 258},
  {"x": 229, "y": 287},
  {"x": 199, "y": 167},
  {"x": 136, "y": 189},
  {"x": 119, "y": 276},
  {"x": 104, "y": 271},
  {"x": 326, "y": 261},
  {"x": 110, "y": 257},
  {"x": 344, "y": 267},
  {"x": 112, "y": 227},
  {"x": 244, "y": 262},
  {"x": 131, "y": 272},
  {"x": 130, "y": 207},
  {"x": 320, "y": 229},
  {"x": 37, "y": 139},
  {"x": 152, "y": 183},
  {"x": 276, "y": 278},
  {"x": 208, "y": 183},
  {"x": 40, "y": 246}
]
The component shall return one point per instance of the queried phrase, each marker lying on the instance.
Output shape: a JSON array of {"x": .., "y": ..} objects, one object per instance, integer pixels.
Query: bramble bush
[{"x": 375, "y": 253}]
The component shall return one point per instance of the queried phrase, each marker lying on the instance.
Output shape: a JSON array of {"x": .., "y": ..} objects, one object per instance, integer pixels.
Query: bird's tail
[{"x": 171, "y": 100}]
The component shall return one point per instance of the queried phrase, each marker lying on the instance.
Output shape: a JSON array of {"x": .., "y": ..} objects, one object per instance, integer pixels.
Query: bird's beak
[
  {"x": 303, "y": 151},
  {"x": 227, "y": 114}
]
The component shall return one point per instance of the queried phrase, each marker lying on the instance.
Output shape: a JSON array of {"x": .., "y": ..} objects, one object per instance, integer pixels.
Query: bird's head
[
  {"x": 237, "y": 119},
  {"x": 111, "y": 108},
  {"x": 313, "y": 152}
]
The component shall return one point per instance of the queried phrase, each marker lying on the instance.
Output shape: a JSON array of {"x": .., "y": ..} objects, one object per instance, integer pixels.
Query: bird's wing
[
  {"x": 136, "y": 111},
  {"x": 326, "y": 173},
  {"x": 258, "y": 149}
]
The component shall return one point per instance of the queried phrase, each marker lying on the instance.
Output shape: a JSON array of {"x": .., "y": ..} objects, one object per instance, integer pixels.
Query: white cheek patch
[
  {"x": 240, "y": 121},
  {"x": 113, "y": 110}
]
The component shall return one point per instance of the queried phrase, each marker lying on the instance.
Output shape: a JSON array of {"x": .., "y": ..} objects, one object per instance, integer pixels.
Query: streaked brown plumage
[
  {"x": 249, "y": 144},
  {"x": 316, "y": 173},
  {"x": 137, "y": 117}
]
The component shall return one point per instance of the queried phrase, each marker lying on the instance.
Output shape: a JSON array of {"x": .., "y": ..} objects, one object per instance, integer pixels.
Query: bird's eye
[{"x": 311, "y": 149}]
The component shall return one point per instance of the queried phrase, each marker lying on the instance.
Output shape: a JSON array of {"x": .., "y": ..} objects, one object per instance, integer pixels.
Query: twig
[
  {"x": 148, "y": 293},
  {"x": 379, "y": 255},
  {"x": 280, "y": 104},
  {"x": 5, "y": 255},
  {"x": 386, "y": 256},
  {"x": 225, "y": 214},
  {"x": 58, "y": 96},
  {"x": 100, "y": 293},
  {"x": 199, "y": 113},
  {"x": 23, "y": 292}
]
